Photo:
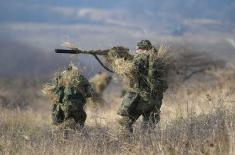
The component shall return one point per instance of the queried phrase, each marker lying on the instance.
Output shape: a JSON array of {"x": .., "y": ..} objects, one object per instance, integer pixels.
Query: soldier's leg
[
  {"x": 68, "y": 124},
  {"x": 67, "y": 108},
  {"x": 127, "y": 111},
  {"x": 73, "y": 114},
  {"x": 67, "y": 127},
  {"x": 127, "y": 122},
  {"x": 151, "y": 118},
  {"x": 78, "y": 114},
  {"x": 81, "y": 116},
  {"x": 57, "y": 114}
]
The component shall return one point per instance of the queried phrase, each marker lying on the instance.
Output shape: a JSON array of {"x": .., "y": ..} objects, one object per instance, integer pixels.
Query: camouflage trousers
[
  {"x": 68, "y": 115},
  {"x": 134, "y": 105}
]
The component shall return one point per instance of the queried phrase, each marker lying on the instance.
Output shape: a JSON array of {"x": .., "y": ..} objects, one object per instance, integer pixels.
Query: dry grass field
[{"x": 197, "y": 117}]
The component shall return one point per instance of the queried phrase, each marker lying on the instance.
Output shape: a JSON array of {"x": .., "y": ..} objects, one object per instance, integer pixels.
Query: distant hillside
[{"x": 17, "y": 59}]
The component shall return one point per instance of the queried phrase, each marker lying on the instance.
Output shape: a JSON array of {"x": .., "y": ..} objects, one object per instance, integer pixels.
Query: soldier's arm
[
  {"x": 157, "y": 75},
  {"x": 118, "y": 52},
  {"x": 138, "y": 64}
]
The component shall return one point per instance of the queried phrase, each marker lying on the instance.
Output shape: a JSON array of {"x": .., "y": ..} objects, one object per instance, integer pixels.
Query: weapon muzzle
[{"x": 65, "y": 51}]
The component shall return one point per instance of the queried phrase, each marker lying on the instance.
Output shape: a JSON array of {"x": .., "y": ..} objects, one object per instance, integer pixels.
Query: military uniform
[
  {"x": 145, "y": 93},
  {"x": 70, "y": 99}
]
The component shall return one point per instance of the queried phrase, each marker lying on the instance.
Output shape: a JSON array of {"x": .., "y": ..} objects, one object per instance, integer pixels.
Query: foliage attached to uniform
[
  {"x": 159, "y": 59},
  {"x": 116, "y": 56},
  {"x": 69, "y": 91},
  {"x": 100, "y": 81},
  {"x": 68, "y": 78}
]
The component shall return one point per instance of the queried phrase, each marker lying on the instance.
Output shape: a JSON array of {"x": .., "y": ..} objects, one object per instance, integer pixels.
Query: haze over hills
[
  {"x": 197, "y": 111},
  {"x": 18, "y": 59},
  {"x": 123, "y": 22},
  {"x": 21, "y": 60},
  {"x": 41, "y": 26}
]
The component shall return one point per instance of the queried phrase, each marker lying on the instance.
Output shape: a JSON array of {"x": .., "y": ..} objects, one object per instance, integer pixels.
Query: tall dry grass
[
  {"x": 29, "y": 133},
  {"x": 197, "y": 117}
]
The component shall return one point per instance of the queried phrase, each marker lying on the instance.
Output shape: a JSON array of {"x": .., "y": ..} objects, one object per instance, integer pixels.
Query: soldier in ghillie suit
[
  {"x": 99, "y": 83},
  {"x": 147, "y": 73},
  {"x": 69, "y": 90}
]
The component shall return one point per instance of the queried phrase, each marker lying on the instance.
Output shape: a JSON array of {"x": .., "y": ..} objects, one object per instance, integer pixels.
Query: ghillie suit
[
  {"x": 69, "y": 90},
  {"x": 146, "y": 72},
  {"x": 147, "y": 75},
  {"x": 99, "y": 83}
]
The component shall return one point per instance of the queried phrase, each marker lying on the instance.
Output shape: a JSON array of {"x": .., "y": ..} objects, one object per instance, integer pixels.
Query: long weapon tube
[
  {"x": 77, "y": 51},
  {"x": 91, "y": 52}
]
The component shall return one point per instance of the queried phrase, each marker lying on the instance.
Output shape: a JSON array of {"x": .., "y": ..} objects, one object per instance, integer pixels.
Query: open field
[
  {"x": 197, "y": 117},
  {"x": 194, "y": 40}
]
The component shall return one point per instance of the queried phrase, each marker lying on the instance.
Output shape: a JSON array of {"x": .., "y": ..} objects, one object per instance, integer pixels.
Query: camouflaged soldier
[
  {"x": 100, "y": 82},
  {"x": 146, "y": 73},
  {"x": 71, "y": 90},
  {"x": 146, "y": 88}
]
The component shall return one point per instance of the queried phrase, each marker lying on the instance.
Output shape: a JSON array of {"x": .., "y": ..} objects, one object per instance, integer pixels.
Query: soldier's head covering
[
  {"x": 144, "y": 45},
  {"x": 70, "y": 67}
]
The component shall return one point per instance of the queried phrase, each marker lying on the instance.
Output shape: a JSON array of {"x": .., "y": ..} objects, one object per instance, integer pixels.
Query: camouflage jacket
[
  {"x": 147, "y": 74},
  {"x": 149, "y": 78},
  {"x": 73, "y": 92}
]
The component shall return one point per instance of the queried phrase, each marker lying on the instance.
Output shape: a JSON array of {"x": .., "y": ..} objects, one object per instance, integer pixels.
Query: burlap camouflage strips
[{"x": 71, "y": 90}]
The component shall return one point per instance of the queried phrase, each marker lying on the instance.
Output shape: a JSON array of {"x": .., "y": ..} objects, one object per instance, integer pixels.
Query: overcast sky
[{"x": 105, "y": 23}]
